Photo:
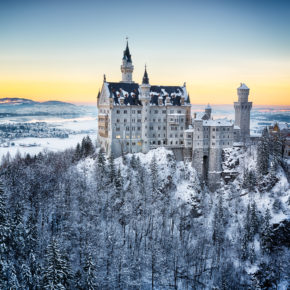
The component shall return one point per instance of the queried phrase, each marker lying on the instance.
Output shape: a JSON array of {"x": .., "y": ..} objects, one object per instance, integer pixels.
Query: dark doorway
[{"x": 205, "y": 168}]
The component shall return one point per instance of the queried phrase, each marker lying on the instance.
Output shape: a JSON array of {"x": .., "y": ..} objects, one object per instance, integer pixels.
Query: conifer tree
[
  {"x": 78, "y": 153},
  {"x": 266, "y": 240},
  {"x": 5, "y": 247},
  {"x": 154, "y": 175},
  {"x": 55, "y": 270},
  {"x": 112, "y": 168},
  {"x": 263, "y": 154},
  {"x": 89, "y": 274}
]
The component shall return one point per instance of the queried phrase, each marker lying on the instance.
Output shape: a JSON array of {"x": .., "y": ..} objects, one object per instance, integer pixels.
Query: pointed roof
[
  {"x": 145, "y": 77},
  {"x": 127, "y": 55}
]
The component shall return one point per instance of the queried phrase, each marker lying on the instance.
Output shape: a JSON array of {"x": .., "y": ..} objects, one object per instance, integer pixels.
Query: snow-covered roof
[
  {"x": 175, "y": 93},
  {"x": 222, "y": 122},
  {"x": 243, "y": 87},
  {"x": 237, "y": 127}
]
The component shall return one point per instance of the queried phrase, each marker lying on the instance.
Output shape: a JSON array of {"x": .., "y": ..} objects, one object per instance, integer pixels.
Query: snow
[
  {"x": 221, "y": 122},
  {"x": 243, "y": 87}
]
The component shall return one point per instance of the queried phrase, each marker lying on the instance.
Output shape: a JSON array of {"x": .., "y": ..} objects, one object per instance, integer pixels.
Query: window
[
  {"x": 181, "y": 119},
  {"x": 179, "y": 112},
  {"x": 156, "y": 112},
  {"x": 212, "y": 143},
  {"x": 139, "y": 120},
  {"x": 133, "y": 120},
  {"x": 118, "y": 111},
  {"x": 133, "y": 111},
  {"x": 118, "y": 120},
  {"x": 125, "y": 111},
  {"x": 159, "y": 128},
  {"x": 117, "y": 129},
  {"x": 139, "y": 111},
  {"x": 164, "y": 112},
  {"x": 224, "y": 129},
  {"x": 159, "y": 120},
  {"x": 153, "y": 120},
  {"x": 171, "y": 111},
  {"x": 133, "y": 143},
  {"x": 176, "y": 142},
  {"x": 213, "y": 129},
  {"x": 118, "y": 136},
  {"x": 133, "y": 128},
  {"x": 164, "y": 128},
  {"x": 213, "y": 137},
  {"x": 181, "y": 142},
  {"x": 164, "y": 120},
  {"x": 127, "y": 128},
  {"x": 138, "y": 128},
  {"x": 125, "y": 120},
  {"x": 170, "y": 135}
]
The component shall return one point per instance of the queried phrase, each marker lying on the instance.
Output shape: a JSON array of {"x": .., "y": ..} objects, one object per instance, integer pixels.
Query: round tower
[
  {"x": 243, "y": 93},
  {"x": 144, "y": 97},
  {"x": 242, "y": 112},
  {"x": 127, "y": 66}
]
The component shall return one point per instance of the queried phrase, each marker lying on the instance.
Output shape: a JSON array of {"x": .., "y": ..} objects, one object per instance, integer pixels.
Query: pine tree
[
  {"x": 154, "y": 175},
  {"x": 112, "y": 169},
  {"x": 89, "y": 274},
  {"x": 55, "y": 273},
  {"x": 266, "y": 240},
  {"x": 263, "y": 154},
  {"x": 5, "y": 234},
  {"x": 78, "y": 153},
  {"x": 119, "y": 182},
  {"x": 101, "y": 160}
]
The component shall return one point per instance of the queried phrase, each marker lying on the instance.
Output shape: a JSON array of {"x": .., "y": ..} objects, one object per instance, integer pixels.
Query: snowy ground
[{"x": 85, "y": 125}]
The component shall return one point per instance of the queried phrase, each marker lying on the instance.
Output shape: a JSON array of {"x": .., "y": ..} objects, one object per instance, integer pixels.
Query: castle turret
[
  {"x": 144, "y": 97},
  {"x": 208, "y": 111},
  {"x": 127, "y": 66},
  {"x": 242, "y": 112}
]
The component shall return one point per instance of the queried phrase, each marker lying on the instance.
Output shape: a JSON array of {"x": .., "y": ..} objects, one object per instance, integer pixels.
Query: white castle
[{"x": 136, "y": 118}]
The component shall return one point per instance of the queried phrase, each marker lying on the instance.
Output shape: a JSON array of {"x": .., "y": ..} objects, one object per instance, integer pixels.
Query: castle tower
[
  {"x": 242, "y": 112},
  {"x": 127, "y": 66},
  {"x": 208, "y": 111},
  {"x": 144, "y": 97}
]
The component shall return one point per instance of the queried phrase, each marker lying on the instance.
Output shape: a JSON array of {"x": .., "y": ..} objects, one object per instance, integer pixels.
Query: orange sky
[{"x": 59, "y": 50}]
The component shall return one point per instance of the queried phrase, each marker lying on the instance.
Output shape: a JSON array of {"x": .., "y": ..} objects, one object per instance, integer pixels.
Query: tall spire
[
  {"x": 127, "y": 55},
  {"x": 145, "y": 77},
  {"x": 127, "y": 65}
]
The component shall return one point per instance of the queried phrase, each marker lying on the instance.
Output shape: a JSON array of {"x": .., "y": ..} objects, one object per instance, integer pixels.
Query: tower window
[{"x": 125, "y": 111}]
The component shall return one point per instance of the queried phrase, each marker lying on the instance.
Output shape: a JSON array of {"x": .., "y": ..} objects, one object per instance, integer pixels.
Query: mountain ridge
[{"x": 24, "y": 101}]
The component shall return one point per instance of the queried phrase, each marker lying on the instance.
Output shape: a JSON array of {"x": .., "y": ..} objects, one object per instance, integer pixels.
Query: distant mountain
[
  {"x": 16, "y": 101},
  {"x": 27, "y": 107},
  {"x": 23, "y": 101},
  {"x": 56, "y": 103}
]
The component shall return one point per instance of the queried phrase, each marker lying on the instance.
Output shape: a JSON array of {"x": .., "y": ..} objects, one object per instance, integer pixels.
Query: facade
[{"x": 137, "y": 118}]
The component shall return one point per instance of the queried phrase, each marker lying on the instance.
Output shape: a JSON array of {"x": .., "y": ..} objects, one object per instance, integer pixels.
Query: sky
[{"x": 60, "y": 50}]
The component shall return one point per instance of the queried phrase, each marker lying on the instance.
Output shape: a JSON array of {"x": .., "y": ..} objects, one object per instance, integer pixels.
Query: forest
[{"x": 79, "y": 219}]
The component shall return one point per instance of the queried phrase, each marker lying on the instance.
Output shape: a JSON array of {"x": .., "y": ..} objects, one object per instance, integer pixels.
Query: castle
[{"x": 136, "y": 118}]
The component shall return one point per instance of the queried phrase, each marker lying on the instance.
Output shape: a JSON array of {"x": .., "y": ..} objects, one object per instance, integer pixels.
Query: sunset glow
[{"x": 61, "y": 49}]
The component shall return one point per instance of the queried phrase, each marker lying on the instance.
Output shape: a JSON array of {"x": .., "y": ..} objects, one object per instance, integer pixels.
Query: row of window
[{"x": 139, "y": 111}]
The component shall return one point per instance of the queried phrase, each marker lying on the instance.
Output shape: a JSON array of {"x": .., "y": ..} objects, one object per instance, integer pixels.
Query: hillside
[
  {"x": 25, "y": 107},
  {"x": 145, "y": 221}
]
